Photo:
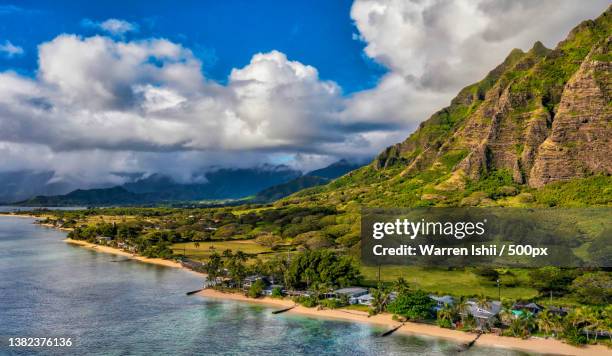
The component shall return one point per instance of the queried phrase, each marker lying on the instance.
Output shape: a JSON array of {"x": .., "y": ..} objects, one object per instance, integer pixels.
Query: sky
[{"x": 96, "y": 90}]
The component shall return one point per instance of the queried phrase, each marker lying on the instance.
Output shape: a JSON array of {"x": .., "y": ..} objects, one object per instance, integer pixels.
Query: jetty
[
  {"x": 391, "y": 331},
  {"x": 283, "y": 310},
  {"x": 194, "y": 292},
  {"x": 467, "y": 346}
]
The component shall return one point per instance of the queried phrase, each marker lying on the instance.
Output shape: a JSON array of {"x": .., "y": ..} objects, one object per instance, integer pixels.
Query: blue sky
[{"x": 223, "y": 34}]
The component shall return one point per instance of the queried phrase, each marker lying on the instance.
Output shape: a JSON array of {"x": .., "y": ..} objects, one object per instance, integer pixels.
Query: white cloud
[
  {"x": 433, "y": 48},
  {"x": 445, "y": 45},
  {"x": 100, "y": 105},
  {"x": 115, "y": 27},
  {"x": 99, "y": 94},
  {"x": 10, "y": 50}
]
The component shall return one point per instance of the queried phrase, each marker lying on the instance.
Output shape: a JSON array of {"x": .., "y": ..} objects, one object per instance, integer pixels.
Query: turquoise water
[{"x": 113, "y": 306}]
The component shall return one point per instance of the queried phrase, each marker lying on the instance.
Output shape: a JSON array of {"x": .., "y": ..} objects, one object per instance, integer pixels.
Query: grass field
[
  {"x": 205, "y": 249},
  {"x": 439, "y": 281}
]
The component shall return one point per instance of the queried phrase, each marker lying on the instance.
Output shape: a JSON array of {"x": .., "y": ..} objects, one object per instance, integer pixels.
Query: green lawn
[
  {"x": 205, "y": 249},
  {"x": 439, "y": 281}
]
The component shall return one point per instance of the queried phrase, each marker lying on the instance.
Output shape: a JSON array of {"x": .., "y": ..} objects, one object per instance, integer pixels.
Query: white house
[{"x": 352, "y": 293}]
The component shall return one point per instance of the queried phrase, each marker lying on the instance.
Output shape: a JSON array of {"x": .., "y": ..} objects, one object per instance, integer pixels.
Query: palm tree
[
  {"x": 506, "y": 316},
  {"x": 380, "y": 299},
  {"x": 401, "y": 286},
  {"x": 546, "y": 321},
  {"x": 483, "y": 302},
  {"x": 447, "y": 313},
  {"x": 522, "y": 325},
  {"x": 463, "y": 308}
]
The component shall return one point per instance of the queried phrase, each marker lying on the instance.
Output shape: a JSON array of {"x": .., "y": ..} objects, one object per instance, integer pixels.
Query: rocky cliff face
[
  {"x": 544, "y": 115},
  {"x": 580, "y": 141}
]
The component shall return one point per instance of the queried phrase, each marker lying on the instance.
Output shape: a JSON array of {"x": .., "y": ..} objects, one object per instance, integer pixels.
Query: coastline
[
  {"x": 539, "y": 345},
  {"x": 119, "y": 252}
]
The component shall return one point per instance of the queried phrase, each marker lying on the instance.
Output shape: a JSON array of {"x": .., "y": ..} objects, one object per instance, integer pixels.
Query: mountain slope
[
  {"x": 18, "y": 185},
  {"x": 311, "y": 179},
  {"x": 541, "y": 116}
]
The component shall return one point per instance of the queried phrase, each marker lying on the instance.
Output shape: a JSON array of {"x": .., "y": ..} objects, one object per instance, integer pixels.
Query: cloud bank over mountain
[{"x": 99, "y": 105}]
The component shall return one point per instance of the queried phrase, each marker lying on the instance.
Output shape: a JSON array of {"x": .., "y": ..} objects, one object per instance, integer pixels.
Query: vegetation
[{"x": 413, "y": 305}]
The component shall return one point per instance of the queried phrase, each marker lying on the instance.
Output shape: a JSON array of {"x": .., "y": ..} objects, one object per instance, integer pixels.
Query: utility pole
[
  {"x": 499, "y": 289},
  {"x": 551, "y": 296}
]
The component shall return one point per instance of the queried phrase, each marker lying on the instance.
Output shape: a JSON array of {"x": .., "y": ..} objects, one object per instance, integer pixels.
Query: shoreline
[
  {"x": 135, "y": 257},
  {"x": 19, "y": 215},
  {"x": 539, "y": 345}
]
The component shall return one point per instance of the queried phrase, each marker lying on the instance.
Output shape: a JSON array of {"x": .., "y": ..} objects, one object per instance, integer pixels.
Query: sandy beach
[
  {"x": 119, "y": 252},
  {"x": 538, "y": 345}
]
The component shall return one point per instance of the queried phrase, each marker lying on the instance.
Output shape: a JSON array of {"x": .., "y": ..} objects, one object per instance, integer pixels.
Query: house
[
  {"x": 365, "y": 299},
  {"x": 104, "y": 239},
  {"x": 532, "y": 308},
  {"x": 248, "y": 281},
  {"x": 268, "y": 290},
  {"x": 297, "y": 293},
  {"x": 558, "y": 311},
  {"x": 485, "y": 315},
  {"x": 442, "y": 302},
  {"x": 352, "y": 293},
  {"x": 368, "y": 298}
]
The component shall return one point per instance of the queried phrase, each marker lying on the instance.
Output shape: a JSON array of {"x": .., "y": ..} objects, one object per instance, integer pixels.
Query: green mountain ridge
[{"x": 538, "y": 121}]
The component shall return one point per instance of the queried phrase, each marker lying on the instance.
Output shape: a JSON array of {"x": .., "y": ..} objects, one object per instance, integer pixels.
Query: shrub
[
  {"x": 308, "y": 302},
  {"x": 256, "y": 289},
  {"x": 331, "y": 303},
  {"x": 277, "y": 292},
  {"x": 489, "y": 273}
]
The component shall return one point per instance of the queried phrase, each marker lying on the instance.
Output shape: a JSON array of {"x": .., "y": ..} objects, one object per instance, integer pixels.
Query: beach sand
[
  {"x": 538, "y": 345},
  {"x": 119, "y": 252}
]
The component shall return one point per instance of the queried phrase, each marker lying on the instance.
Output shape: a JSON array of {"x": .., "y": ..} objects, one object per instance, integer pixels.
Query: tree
[
  {"x": 483, "y": 302},
  {"x": 551, "y": 279},
  {"x": 321, "y": 266},
  {"x": 522, "y": 325},
  {"x": 416, "y": 305},
  {"x": 446, "y": 316},
  {"x": 547, "y": 322},
  {"x": 401, "y": 286},
  {"x": 213, "y": 266},
  {"x": 593, "y": 288},
  {"x": 463, "y": 308},
  {"x": 235, "y": 265},
  {"x": 277, "y": 292},
  {"x": 380, "y": 296},
  {"x": 256, "y": 289},
  {"x": 506, "y": 316}
]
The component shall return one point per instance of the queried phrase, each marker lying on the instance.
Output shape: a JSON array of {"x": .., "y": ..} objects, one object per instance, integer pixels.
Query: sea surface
[{"x": 110, "y": 305}]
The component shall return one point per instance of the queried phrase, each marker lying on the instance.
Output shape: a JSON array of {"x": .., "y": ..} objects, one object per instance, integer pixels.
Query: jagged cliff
[{"x": 544, "y": 115}]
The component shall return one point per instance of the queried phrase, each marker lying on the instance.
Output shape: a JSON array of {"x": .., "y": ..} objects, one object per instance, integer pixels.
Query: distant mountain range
[
  {"x": 312, "y": 179},
  {"x": 266, "y": 183},
  {"x": 19, "y": 185}
]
